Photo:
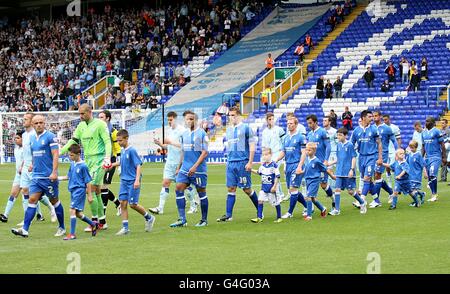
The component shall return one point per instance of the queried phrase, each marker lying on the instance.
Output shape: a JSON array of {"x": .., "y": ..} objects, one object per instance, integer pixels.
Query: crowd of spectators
[
  {"x": 410, "y": 75},
  {"x": 44, "y": 64}
]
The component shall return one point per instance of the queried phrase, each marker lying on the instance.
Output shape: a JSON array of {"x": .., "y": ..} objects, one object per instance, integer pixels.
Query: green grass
[{"x": 408, "y": 240}]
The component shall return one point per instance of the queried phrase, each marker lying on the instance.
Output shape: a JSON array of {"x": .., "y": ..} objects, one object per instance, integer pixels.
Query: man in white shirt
[
  {"x": 332, "y": 134},
  {"x": 272, "y": 138},
  {"x": 405, "y": 71},
  {"x": 417, "y": 135},
  {"x": 398, "y": 137},
  {"x": 187, "y": 72}
]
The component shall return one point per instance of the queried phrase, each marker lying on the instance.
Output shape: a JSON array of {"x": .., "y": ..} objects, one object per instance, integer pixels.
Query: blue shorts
[
  {"x": 416, "y": 185},
  {"x": 78, "y": 198},
  {"x": 237, "y": 176},
  {"x": 403, "y": 187},
  {"x": 198, "y": 180},
  {"x": 323, "y": 177},
  {"x": 380, "y": 168},
  {"x": 345, "y": 183},
  {"x": 128, "y": 193},
  {"x": 292, "y": 179},
  {"x": 44, "y": 186},
  {"x": 312, "y": 187},
  {"x": 432, "y": 165},
  {"x": 170, "y": 170},
  {"x": 367, "y": 165},
  {"x": 25, "y": 178}
]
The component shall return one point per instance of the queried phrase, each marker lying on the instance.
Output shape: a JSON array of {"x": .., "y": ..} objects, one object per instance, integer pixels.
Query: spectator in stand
[
  {"x": 320, "y": 88},
  {"x": 146, "y": 90},
  {"x": 3, "y": 107},
  {"x": 269, "y": 62},
  {"x": 337, "y": 85},
  {"x": 185, "y": 53},
  {"x": 153, "y": 102},
  {"x": 187, "y": 72},
  {"x": 405, "y": 70},
  {"x": 300, "y": 52},
  {"x": 385, "y": 87},
  {"x": 166, "y": 87},
  {"x": 265, "y": 95},
  {"x": 170, "y": 72},
  {"x": 329, "y": 89},
  {"x": 158, "y": 85},
  {"x": 203, "y": 51},
  {"x": 227, "y": 26},
  {"x": 347, "y": 7},
  {"x": 332, "y": 21},
  {"x": 347, "y": 117},
  {"x": 178, "y": 71},
  {"x": 119, "y": 40},
  {"x": 82, "y": 99},
  {"x": 369, "y": 77},
  {"x": 424, "y": 69},
  {"x": 309, "y": 42},
  {"x": 339, "y": 14},
  {"x": 415, "y": 81},
  {"x": 412, "y": 68},
  {"x": 181, "y": 80},
  {"x": 128, "y": 98},
  {"x": 390, "y": 71},
  {"x": 333, "y": 118},
  {"x": 109, "y": 103},
  {"x": 139, "y": 101},
  {"x": 119, "y": 100}
]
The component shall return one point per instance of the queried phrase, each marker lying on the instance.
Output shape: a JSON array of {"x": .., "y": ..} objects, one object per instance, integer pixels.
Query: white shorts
[
  {"x": 25, "y": 179},
  {"x": 330, "y": 181},
  {"x": 333, "y": 156},
  {"x": 170, "y": 170},
  {"x": 272, "y": 198},
  {"x": 16, "y": 181}
]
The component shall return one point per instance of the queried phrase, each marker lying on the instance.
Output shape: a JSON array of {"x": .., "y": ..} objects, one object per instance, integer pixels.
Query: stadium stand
[{"x": 417, "y": 29}]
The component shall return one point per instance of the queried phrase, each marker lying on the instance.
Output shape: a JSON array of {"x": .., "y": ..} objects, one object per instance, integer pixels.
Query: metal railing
[
  {"x": 437, "y": 91},
  {"x": 98, "y": 89},
  {"x": 286, "y": 88}
]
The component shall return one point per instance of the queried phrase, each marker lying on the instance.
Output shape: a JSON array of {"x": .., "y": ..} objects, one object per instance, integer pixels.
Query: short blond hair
[
  {"x": 399, "y": 150},
  {"x": 294, "y": 119},
  {"x": 413, "y": 144},
  {"x": 311, "y": 145}
]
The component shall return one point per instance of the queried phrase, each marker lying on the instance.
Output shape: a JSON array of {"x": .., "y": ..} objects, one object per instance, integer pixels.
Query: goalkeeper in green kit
[{"x": 93, "y": 135}]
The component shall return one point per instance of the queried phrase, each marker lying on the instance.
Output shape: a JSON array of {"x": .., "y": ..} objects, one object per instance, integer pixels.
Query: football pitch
[{"x": 406, "y": 240}]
